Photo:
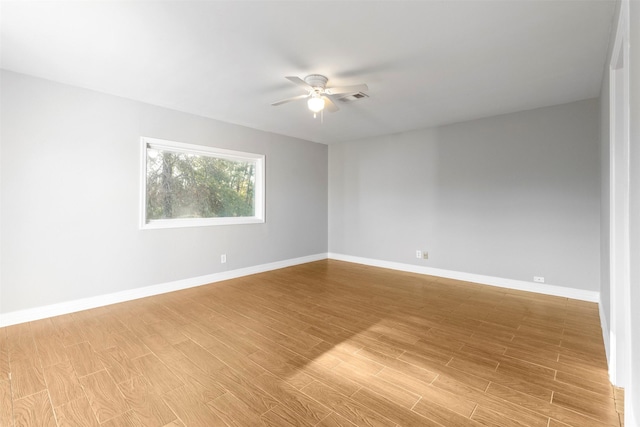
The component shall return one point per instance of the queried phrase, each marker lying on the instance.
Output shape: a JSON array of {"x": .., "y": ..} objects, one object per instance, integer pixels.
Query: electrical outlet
[
  {"x": 419, "y": 254},
  {"x": 425, "y": 255},
  {"x": 538, "y": 279},
  {"x": 223, "y": 258}
]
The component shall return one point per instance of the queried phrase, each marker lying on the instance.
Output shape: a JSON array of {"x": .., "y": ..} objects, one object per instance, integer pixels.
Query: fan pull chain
[{"x": 315, "y": 115}]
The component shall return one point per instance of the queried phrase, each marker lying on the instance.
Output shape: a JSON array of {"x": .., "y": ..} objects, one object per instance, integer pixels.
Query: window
[{"x": 185, "y": 185}]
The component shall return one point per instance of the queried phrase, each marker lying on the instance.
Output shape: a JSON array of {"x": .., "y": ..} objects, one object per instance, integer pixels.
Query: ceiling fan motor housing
[{"x": 316, "y": 81}]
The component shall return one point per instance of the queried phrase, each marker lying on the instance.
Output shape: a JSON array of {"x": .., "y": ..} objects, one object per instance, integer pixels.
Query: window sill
[{"x": 198, "y": 222}]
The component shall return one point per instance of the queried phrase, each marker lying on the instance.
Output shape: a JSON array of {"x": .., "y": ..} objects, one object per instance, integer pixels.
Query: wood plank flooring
[{"x": 321, "y": 344}]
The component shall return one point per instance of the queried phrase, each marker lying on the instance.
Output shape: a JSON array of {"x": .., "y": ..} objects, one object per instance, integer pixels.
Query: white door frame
[{"x": 620, "y": 340}]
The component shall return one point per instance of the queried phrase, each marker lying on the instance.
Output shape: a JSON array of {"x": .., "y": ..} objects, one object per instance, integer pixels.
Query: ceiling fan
[{"x": 319, "y": 94}]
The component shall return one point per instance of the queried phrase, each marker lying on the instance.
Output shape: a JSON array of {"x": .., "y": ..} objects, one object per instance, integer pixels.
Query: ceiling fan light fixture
[{"x": 315, "y": 104}]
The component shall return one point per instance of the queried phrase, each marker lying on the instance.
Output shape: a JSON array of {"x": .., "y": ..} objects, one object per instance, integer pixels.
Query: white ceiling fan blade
[
  {"x": 346, "y": 89},
  {"x": 329, "y": 105},
  {"x": 298, "y": 81},
  {"x": 295, "y": 98}
]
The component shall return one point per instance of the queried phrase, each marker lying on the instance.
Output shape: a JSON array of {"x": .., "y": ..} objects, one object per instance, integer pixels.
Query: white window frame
[{"x": 180, "y": 147}]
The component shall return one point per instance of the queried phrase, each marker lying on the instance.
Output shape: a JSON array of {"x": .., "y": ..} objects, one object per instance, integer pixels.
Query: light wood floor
[{"x": 321, "y": 344}]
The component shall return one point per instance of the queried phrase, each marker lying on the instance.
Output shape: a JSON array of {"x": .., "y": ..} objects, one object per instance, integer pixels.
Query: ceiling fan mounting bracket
[{"x": 316, "y": 81}]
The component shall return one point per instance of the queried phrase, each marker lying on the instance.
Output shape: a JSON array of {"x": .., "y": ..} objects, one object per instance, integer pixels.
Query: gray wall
[
  {"x": 70, "y": 197},
  {"x": 510, "y": 196}
]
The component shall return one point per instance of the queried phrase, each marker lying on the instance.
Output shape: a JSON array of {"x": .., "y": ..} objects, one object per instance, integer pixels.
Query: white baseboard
[
  {"x": 540, "y": 288},
  {"x": 605, "y": 334},
  {"x": 31, "y": 314}
]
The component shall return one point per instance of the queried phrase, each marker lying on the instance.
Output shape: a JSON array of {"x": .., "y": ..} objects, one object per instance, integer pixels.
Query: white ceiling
[{"x": 426, "y": 62}]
